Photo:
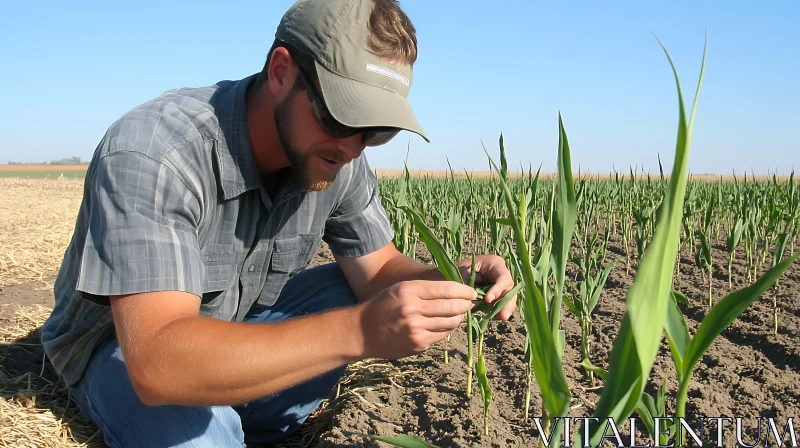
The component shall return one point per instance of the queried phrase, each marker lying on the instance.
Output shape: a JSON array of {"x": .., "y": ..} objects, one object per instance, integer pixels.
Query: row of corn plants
[{"x": 539, "y": 225}]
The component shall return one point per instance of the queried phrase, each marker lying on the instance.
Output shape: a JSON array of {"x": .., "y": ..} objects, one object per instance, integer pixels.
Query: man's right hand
[{"x": 408, "y": 317}]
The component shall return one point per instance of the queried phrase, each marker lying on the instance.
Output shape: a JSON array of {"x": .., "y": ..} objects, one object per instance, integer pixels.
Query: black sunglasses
[{"x": 371, "y": 136}]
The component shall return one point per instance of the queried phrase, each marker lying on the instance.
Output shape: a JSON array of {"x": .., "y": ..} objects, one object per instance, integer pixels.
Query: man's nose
[{"x": 351, "y": 146}]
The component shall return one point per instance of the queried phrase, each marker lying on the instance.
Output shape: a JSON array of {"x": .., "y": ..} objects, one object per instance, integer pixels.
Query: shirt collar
[
  {"x": 237, "y": 168},
  {"x": 238, "y": 171}
]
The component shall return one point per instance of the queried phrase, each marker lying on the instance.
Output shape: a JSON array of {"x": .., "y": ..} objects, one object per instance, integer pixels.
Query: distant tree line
[{"x": 70, "y": 161}]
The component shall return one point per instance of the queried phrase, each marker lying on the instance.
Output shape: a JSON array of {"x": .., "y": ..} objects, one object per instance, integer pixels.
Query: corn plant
[
  {"x": 583, "y": 304},
  {"x": 480, "y": 326},
  {"x": 732, "y": 242},
  {"x": 637, "y": 342},
  {"x": 545, "y": 339},
  {"x": 780, "y": 248},
  {"x": 687, "y": 351},
  {"x": 450, "y": 271},
  {"x": 648, "y": 407}
]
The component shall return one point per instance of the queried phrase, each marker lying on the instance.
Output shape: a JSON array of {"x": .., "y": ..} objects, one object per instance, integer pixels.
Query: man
[{"x": 179, "y": 320}]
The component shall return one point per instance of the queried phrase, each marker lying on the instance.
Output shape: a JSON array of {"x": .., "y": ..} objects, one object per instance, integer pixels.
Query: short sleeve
[
  {"x": 359, "y": 224},
  {"x": 142, "y": 232}
]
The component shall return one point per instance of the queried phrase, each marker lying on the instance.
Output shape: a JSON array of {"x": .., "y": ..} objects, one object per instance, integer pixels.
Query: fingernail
[{"x": 490, "y": 297}]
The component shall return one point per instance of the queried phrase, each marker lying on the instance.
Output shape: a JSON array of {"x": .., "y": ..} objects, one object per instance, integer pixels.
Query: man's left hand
[{"x": 491, "y": 269}]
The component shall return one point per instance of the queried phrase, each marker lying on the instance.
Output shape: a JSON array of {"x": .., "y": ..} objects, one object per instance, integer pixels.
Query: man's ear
[{"x": 281, "y": 72}]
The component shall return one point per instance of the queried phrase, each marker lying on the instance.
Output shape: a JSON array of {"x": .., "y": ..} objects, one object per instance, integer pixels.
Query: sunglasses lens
[
  {"x": 380, "y": 136},
  {"x": 372, "y": 136}
]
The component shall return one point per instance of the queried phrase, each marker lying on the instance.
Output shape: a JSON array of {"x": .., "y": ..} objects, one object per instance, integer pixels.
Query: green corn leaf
[
  {"x": 573, "y": 307},
  {"x": 726, "y": 311},
  {"x": 561, "y": 337},
  {"x": 403, "y": 441},
  {"x": 780, "y": 247},
  {"x": 504, "y": 221},
  {"x": 566, "y": 215},
  {"x": 443, "y": 262},
  {"x": 661, "y": 404},
  {"x": 680, "y": 298},
  {"x": 472, "y": 272},
  {"x": 643, "y": 408},
  {"x": 706, "y": 247},
  {"x": 601, "y": 282},
  {"x": 483, "y": 382},
  {"x": 504, "y": 166},
  {"x": 546, "y": 360},
  {"x": 599, "y": 371},
  {"x": 498, "y": 305},
  {"x": 677, "y": 333},
  {"x": 650, "y": 408},
  {"x": 637, "y": 342},
  {"x": 454, "y": 222}
]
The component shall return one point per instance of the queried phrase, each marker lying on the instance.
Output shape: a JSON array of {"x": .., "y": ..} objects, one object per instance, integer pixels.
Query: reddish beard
[{"x": 300, "y": 162}]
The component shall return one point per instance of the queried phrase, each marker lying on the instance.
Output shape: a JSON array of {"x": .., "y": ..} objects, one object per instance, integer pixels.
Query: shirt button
[{"x": 251, "y": 268}]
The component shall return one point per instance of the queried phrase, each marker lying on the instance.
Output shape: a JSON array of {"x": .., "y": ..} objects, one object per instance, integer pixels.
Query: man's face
[{"x": 315, "y": 157}]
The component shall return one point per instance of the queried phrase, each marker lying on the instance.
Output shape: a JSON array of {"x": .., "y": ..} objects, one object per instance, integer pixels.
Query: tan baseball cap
[{"x": 359, "y": 88}]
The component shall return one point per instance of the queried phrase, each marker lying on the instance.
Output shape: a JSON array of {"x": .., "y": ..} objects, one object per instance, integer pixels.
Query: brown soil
[{"x": 747, "y": 372}]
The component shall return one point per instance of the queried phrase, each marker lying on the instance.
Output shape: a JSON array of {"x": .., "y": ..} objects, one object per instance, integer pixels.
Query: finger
[
  {"x": 502, "y": 285},
  {"x": 432, "y": 290},
  {"x": 444, "y": 307},
  {"x": 440, "y": 324}
]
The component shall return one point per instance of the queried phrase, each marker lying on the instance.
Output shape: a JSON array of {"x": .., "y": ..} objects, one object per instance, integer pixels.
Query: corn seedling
[
  {"x": 732, "y": 242},
  {"x": 583, "y": 304},
  {"x": 687, "y": 351},
  {"x": 545, "y": 339},
  {"x": 637, "y": 342},
  {"x": 450, "y": 271}
]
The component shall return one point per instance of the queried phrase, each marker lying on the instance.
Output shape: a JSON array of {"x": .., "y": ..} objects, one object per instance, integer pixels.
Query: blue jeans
[{"x": 105, "y": 393}]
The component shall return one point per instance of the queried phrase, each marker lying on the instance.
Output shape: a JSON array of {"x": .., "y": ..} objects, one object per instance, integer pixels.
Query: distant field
[
  {"x": 393, "y": 173},
  {"x": 43, "y": 171},
  {"x": 79, "y": 172}
]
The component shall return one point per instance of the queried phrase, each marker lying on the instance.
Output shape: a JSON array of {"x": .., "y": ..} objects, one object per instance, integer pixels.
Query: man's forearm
[{"x": 204, "y": 361}]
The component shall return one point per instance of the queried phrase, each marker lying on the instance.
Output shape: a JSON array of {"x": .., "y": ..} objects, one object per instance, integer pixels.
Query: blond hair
[{"x": 391, "y": 33}]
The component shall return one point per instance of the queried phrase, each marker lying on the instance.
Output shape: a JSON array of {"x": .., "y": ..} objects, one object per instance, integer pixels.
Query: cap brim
[{"x": 358, "y": 104}]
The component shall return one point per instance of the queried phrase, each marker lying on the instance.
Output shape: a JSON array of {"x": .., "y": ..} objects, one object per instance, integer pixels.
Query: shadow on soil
[{"x": 28, "y": 378}]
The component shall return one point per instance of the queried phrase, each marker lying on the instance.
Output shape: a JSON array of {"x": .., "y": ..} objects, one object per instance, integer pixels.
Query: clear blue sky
[{"x": 69, "y": 69}]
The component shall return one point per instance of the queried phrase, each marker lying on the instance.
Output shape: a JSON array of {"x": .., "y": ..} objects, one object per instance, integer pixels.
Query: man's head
[{"x": 339, "y": 73}]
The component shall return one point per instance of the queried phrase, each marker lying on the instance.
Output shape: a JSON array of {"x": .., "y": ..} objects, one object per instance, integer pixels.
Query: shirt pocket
[{"x": 292, "y": 254}]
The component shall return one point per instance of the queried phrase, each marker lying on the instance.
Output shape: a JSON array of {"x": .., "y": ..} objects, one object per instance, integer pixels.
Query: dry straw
[
  {"x": 35, "y": 227},
  {"x": 34, "y": 405}
]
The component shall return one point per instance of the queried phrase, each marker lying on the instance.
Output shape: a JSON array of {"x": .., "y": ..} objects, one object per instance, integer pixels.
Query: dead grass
[
  {"x": 43, "y": 167},
  {"x": 35, "y": 410},
  {"x": 36, "y": 225}
]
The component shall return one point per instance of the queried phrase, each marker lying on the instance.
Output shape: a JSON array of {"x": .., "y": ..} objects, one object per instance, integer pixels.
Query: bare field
[
  {"x": 43, "y": 167},
  {"x": 43, "y": 171},
  {"x": 35, "y": 226}
]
